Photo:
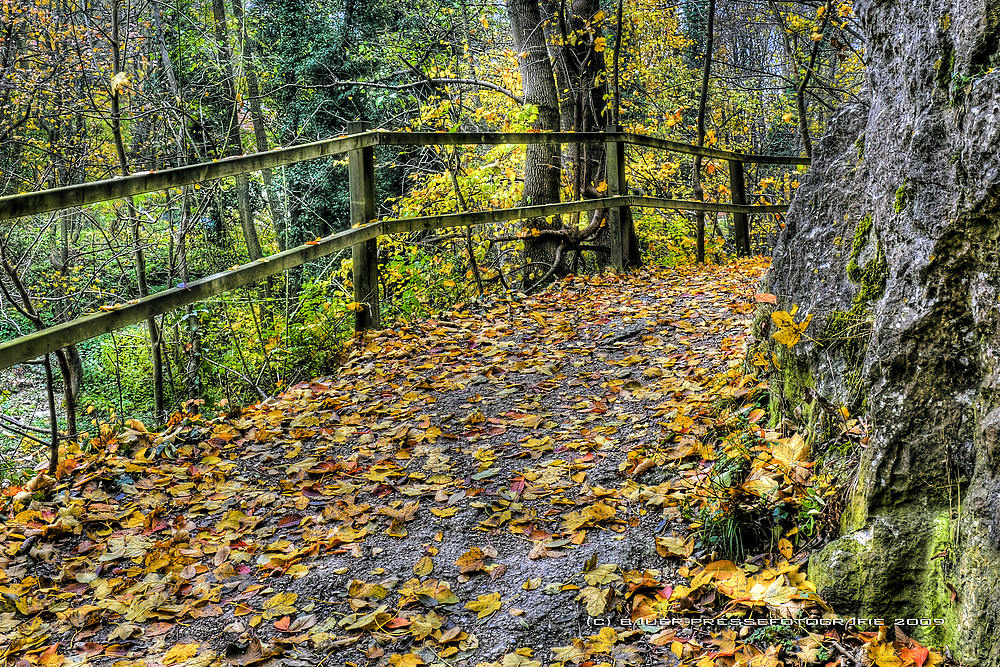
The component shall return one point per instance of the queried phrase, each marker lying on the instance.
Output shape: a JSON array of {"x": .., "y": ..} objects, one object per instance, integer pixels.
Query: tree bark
[
  {"x": 706, "y": 74},
  {"x": 234, "y": 139},
  {"x": 542, "y": 166},
  {"x": 259, "y": 126},
  {"x": 156, "y": 356}
]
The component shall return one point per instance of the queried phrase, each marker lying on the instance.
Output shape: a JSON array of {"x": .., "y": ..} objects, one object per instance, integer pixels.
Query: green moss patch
[
  {"x": 848, "y": 331},
  {"x": 901, "y": 198}
]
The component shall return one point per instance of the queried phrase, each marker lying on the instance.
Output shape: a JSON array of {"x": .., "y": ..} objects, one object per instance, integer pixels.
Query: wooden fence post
[
  {"x": 361, "y": 172},
  {"x": 741, "y": 223},
  {"x": 617, "y": 187}
]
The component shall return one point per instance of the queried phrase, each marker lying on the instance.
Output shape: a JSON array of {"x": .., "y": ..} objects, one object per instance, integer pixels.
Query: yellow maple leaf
[
  {"x": 569, "y": 654},
  {"x": 485, "y": 605},
  {"x": 789, "y": 331},
  {"x": 595, "y": 599},
  {"x": 519, "y": 658},
  {"x": 786, "y": 548},
  {"x": 180, "y": 653},
  {"x": 281, "y": 604},
  {"x": 423, "y": 567},
  {"x": 674, "y": 546},
  {"x": 789, "y": 451},
  {"x": 884, "y": 655},
  {"x": 603, "y": 641},
  {"x": 406, "y": 660},
  {"x": 772, "y": 594}
]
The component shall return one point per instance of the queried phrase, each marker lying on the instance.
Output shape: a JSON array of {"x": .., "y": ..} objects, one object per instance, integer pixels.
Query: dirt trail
[{"x": 462, "y": 493}]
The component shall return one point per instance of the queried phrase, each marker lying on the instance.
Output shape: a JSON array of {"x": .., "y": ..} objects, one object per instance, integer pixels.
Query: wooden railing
[{"x": 363, "y": 236}]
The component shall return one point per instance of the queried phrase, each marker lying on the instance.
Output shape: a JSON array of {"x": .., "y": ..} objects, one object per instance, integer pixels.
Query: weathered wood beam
[
  {"x": 364, "y": 255},
  {"x": 775, "y": 159},
  {"x": 484, "y": 138},
  {"x": 115, "y": 317},
  {"x": 614, "y": 155},
  {"x": 691, "y": 205},
  {"x": 55, "y": 199},
  {"x": 514, "y": 138},
  {"x": 429, "y": 222},
  {"x": 713, "y": 153},
  {"x": 741, "y": 221}
]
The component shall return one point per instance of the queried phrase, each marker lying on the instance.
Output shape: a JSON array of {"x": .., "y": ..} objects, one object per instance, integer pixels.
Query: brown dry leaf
[{"x": 472, "y": 560}]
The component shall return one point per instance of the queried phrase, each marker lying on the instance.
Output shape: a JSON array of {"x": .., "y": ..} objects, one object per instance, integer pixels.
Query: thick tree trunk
[
  {"x": 892, "y": 244},
  {"x": 542, "y": 162}
]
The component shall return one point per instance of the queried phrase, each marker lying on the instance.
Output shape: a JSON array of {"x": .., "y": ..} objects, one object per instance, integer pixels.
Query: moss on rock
[
  {"x": 881, "y": 572},
  {"x": 848, "y": 331},
  {"x": 901, "y": 198}
]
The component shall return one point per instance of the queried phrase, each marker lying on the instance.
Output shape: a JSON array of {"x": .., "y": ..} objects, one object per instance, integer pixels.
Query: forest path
[{"x": 484, "y": 483}]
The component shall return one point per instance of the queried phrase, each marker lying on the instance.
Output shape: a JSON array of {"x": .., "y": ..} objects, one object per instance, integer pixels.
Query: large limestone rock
[{"x": 893, "y": 243}]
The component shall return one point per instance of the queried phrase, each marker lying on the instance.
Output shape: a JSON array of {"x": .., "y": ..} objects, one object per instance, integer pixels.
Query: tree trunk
[
  {"x": 234, "y": 139},
  {"x": 259, "y": 127},
  {"x": 191, "y": 326},
  {"x": 156, "y": 357},
  {"x": 706, "y": 74},
  {"x": 542, "y": 163},
  {"x": 793, "y": 69}
]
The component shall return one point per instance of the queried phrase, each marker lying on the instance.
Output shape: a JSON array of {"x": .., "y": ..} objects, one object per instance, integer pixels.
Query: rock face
[{"x": 893, "y": 244}]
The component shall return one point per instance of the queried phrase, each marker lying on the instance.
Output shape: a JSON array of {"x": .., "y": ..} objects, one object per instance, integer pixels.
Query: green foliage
[
  {"x": 421, "y": 283},
  {"x": 248, "y": 340},
  {"x": 735, "y": 524},
  {"x": 668, "y": 240},
  {"x": 780, "y": 635},
  {"x": 118, "y": 368}
]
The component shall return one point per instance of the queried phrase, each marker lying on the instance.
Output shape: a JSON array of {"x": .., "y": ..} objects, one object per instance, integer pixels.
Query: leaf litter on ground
[{"x": 522, "y": 483}]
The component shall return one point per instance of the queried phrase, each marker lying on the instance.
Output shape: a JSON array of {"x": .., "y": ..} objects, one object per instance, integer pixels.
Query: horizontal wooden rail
[
  {"x": 115, "y": 317},
  {"x": 54, "y": 199},
  {"x": 502, "y": 138},
  {"x": 444, "y": 220},
  {"x": 713, "y": 153},
  {"x": 111, "y": 318},
  {"x": 711, "y": 207}
]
